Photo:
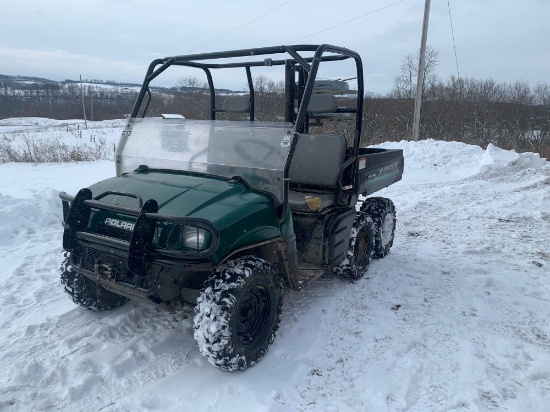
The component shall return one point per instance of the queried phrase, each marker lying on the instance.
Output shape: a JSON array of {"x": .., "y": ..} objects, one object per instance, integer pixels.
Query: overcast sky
[{"x": 116, "y": 39}]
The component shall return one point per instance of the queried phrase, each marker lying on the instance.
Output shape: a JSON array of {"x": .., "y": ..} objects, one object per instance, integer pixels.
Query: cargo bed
[{"x": 378, "y": 168}]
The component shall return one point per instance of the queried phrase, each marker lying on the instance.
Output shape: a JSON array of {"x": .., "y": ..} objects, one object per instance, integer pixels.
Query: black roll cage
[
  {"x": 307, "y": 72},
  {"x": 307, "y": 69}
]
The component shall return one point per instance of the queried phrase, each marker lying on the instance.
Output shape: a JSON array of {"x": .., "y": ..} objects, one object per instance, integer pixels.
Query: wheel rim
[
  {"x": 387, "y": 229},
  {"x": 253, "y": 315}
]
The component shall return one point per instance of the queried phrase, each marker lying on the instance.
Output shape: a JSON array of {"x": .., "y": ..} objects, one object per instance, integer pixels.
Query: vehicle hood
[{"x": 178, "y": 194}]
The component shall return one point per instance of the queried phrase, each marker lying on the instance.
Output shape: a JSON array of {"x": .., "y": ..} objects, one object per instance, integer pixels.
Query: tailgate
[{"x": 378, "y": 168}]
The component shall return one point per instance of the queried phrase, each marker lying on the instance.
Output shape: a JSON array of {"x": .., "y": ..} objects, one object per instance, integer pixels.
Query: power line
[
  {"x": 278, "y": 7},
  {"x": 453, "y": 33},
  {"x": 240, "y": 27},
  {"x": 348, "y": 21},
  {"x": 229, "y": 32},
  {"x": 305, "y": 37}
]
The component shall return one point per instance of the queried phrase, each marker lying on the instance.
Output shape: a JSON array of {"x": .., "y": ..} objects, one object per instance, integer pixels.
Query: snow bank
[
  {"x": 433, "y": 160},
  {"x": 23, "y": 180}
]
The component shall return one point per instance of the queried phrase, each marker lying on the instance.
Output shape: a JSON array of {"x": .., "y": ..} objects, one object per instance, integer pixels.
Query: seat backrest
[
  {"x": 317, "y": 160},
  {"x": 236, "y": 104},
  {"x": 322, "y": 103}
]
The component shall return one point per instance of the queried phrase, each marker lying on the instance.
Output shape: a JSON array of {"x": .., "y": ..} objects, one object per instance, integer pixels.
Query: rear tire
[
  {"x": 85, "y": 292},
  {"x": 357, "y": 260},
  {"x": 382, "y": 212},
  {"x": 238, "y": 313}
]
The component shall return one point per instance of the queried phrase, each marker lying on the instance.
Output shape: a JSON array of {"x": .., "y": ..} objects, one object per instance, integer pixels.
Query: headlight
[
  {"x": 185, "y": 238},
  {"x": 193, "y": 237}
]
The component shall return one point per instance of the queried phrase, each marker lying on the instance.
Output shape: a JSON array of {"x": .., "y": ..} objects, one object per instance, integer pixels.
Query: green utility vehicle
[{"x": 220, "y": 214}]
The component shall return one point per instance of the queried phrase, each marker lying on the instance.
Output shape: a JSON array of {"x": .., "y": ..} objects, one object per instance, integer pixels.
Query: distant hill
[
  {"x": 26, "y": 96},
  {"x": 25, "y": 82}
]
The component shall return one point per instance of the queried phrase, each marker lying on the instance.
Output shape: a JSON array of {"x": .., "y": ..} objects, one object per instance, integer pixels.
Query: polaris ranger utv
[{"x": 220, "y": 214}]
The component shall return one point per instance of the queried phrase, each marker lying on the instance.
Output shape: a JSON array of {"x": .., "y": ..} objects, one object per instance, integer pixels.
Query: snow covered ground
[
  {"x": 455, "y": 318},
  {"x": 25, "y": 124},
  {"x": 37, "y": 139}
]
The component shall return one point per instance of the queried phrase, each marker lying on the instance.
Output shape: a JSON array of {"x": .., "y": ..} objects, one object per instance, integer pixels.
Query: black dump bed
[{"x": 378, "y": 168}]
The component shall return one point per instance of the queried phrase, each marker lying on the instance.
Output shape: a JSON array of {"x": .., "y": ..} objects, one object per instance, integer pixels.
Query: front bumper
[{"x": 134, "y": 268}]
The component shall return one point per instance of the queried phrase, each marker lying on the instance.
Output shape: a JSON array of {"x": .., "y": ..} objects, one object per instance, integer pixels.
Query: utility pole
[
  {"x": 421, "y": 69},
  {"x": 83, "y": 107}
]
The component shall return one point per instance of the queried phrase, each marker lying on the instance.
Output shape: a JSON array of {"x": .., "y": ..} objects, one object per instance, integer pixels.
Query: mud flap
[
  {"x": 322, "y": 239},
  {"x": 338, "y": 230}
]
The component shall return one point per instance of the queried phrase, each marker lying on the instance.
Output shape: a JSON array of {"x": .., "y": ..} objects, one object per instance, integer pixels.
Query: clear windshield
[{"x": 257, "y": 152}]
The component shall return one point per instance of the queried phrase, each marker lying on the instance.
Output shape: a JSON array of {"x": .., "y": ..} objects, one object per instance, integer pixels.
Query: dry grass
[{"x": 30, "y": 150}]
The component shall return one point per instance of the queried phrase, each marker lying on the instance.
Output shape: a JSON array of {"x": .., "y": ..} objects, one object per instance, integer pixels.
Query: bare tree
[
  {"x": 404, "y": 83},
  {"x": 267, "y": 97},
  {"x": 542, "y": 92},
  {"x": 192, "y": 84}
]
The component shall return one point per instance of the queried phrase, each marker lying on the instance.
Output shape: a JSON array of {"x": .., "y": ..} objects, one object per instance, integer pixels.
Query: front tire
[
  {"x": 357, "y": 260},
  {"x": 238, "y": 313},
  {"x": 382, "y": 212},
  {"x": 85, "y": 292}
]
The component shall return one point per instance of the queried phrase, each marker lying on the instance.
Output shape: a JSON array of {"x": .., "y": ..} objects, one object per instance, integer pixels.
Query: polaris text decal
[
  {"x": 383, "y": 170},
  {"x": 121, "y": 224}
]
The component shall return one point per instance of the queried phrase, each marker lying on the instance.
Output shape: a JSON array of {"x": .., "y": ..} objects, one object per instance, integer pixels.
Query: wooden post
[
  {"x": 421, "y": 69},
  {"x": 83, "y": 107}
]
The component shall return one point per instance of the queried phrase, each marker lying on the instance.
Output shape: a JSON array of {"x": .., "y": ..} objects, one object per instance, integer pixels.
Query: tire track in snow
[
  {"x": 39, "y": 349},
  {"x": 95, "y": 359},
  {"x": 160, "y": 368}
]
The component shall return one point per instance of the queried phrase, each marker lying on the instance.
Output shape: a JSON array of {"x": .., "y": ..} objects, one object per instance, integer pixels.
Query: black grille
[
  {"x": 110, "y": 264},
  {"x": 93, "y": 256}
]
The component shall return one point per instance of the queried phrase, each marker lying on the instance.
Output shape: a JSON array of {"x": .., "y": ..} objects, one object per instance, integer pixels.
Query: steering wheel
[{"x": 243, "y": 148}]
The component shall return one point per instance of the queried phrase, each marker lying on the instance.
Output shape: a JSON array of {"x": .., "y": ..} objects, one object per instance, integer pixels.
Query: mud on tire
[
  {"x": 357, "y": 260},
  {"x": 86, "y": 293},
  {"x": 238, "y": 313},
  {"x": 382, "y": 212}
]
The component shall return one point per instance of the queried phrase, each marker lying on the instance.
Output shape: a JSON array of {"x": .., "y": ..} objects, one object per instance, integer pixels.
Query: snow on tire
[
  {"x": 86, "y": 293},
  {"x": 238, "y": 313},
  {"x": 357, "y": 260},
  {"x": 382, "y": 212}
]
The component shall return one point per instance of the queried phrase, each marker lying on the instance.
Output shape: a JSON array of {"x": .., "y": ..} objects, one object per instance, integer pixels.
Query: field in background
[{"x": 39, "y": 140}]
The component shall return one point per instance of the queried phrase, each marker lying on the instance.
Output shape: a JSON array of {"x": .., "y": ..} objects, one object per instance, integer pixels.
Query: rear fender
[{"x": 323, "y": 238}]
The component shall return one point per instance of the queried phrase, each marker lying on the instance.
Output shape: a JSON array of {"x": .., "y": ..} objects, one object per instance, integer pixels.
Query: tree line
[
  {"x": 475, "y": 111},
  {"x": 63, "y": 100},
  {"x": 511, "y": 116}
]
